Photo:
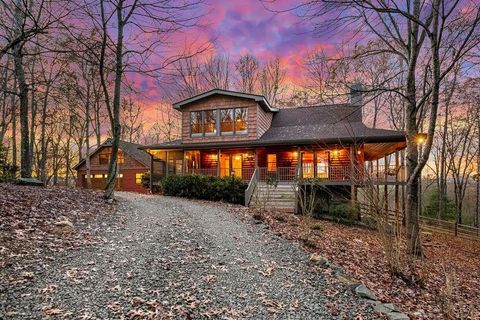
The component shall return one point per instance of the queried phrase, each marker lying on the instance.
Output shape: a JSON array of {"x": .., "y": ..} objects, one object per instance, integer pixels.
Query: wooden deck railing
[{"x": 344, "y": 174}]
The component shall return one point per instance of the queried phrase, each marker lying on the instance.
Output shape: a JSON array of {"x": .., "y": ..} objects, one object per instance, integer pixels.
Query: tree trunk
[
  {"x": 87, "y": 137},
  {"x": 115, "y": 116},
  {"x": 25, "y": 163}
]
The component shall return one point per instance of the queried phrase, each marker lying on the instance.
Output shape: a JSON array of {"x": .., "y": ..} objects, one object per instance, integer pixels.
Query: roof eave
[{"x": 262, "y": 101}]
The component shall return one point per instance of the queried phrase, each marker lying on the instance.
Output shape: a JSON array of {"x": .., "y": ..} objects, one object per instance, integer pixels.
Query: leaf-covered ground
[
  {"x": 450, "y": 272},
  {"x": 160, "y": 258}
]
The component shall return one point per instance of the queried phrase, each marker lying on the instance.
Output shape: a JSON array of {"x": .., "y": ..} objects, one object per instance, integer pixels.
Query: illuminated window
[
  {"x": 322, "y": 164},
  {"x": 226, "y": 121},
  {"x": 120, "y": 175},
  {"x": 98, "y": 176},
  {"x": 103, "y": 158},
  {"x": 210, "y": 122},
  {"x": 271, "y": 162},
  {"x": 120, "y": 158},
  {"x": 241, "y": 120},
  {"x": 138, "y": 178},
  {"x": 196, "y": 123},
  {"x": 307, "y": 164}
]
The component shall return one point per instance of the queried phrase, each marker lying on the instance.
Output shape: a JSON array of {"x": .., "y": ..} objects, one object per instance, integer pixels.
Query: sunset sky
[{"x": 239, "y": 27}]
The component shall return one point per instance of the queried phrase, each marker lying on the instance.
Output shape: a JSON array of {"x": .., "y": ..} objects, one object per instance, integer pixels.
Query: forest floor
[
  {"x": 67, "y": 255},
  {"x": 449, "y": 278}
]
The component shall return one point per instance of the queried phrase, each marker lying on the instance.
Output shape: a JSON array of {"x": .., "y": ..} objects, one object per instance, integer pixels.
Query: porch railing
[
  {"x": 251, "y": 186},
  {"x": 346, "y": 173}
]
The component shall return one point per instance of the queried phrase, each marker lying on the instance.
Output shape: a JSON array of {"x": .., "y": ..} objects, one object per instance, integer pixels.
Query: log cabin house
[
  {"x": 233, "y": 133},
  {"x": 133, "y": 163}
]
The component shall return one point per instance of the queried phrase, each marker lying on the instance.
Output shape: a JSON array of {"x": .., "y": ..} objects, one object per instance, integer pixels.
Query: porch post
[
  {"x": 353, "y": 189},
  {"x": 166, "y": 163},
  {"x": 218, "y": 162},
  {"x": 150, "y": 184},
  {"x": 184, "y": 163}
]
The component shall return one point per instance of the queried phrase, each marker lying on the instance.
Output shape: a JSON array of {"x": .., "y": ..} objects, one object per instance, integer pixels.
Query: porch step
[{"x": 281, "y": 197}]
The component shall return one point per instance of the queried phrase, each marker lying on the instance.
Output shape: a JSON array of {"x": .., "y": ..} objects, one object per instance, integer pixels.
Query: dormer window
[
  {"x": 226, "y": 121},
  {"x": 219, "y": 121},
  {"x": 196, "y": 127},
  {"x": 210, "y": 120},
  {"x": 241, "y": 121}
]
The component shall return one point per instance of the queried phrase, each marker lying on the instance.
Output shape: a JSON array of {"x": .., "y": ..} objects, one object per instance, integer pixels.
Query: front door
[
  {"x": 231, "y": 164},
  {"x": 237, "y": 165},
  {"x": 307, "y": 164}
]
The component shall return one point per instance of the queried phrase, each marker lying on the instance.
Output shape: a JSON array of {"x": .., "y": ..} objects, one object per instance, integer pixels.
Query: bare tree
[
  {"x": 158, "y": 18},
  {"x": 271, "y": 78},
  {"x": 131, "y": 119},
  {"x": 247, "y": 69},
  {"x": 430, "y": 38},
  {"x": 216, "y": 73}
]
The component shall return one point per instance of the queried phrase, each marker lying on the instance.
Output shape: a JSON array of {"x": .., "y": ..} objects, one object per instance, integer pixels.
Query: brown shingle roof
[
  {"x": 341, "y": 123},
  {"x": 132, "y": 149}
]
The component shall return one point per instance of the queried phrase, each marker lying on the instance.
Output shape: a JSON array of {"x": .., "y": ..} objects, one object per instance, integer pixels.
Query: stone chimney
[
  {"x": 356, "y": 94},
  {"x": 356, "y": 100}
]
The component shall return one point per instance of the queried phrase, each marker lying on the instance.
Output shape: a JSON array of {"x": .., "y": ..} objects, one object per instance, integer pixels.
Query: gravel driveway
[{"x": 161, "y": 257}]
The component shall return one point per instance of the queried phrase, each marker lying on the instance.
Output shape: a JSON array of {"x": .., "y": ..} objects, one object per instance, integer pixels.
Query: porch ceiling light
[{"x": 295, "y": 154}]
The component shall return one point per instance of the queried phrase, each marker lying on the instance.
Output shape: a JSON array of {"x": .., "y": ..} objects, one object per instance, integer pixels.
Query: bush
[
  {"x": 228, "y": 189},
  {"x": 432, "y": 206},
  {"x": 344, "y": 212},
  {"x": 156, "y": 182}
]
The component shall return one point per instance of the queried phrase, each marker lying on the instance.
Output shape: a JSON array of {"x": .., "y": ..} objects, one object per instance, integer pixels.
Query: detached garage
[{"x": 133, "y": 164}]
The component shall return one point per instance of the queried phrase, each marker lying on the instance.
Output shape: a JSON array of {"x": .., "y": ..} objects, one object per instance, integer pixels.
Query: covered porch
[{"x": 381, "y": 163}]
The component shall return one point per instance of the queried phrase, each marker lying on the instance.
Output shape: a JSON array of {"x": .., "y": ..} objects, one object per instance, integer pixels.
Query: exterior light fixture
[
  {"x": 421, "y": 138},
  {"x": 334, "y": 153},
  {"x": 295, "y": 154}
]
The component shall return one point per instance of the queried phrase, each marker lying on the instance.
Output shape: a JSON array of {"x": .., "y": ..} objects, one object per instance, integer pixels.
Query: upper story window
[
  {"x": 104, "y": 156},
  {"x": 196, "y": 127},
  {"x": 226, "y": 121},
  {"x": 210, "y": 120},
  {"x": 219, "y": 121},
  {"x": 241, "y": 120}
]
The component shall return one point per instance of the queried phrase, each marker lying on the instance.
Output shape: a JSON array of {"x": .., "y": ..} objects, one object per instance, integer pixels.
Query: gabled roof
[
  {"x": 262, "y": 101},
  {"x": 132, "y": 149},
  {"x": 329, "y": 124}
]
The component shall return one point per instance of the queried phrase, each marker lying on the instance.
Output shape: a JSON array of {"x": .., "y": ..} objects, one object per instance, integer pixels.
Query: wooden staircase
[{"x": 279, "y": 197}]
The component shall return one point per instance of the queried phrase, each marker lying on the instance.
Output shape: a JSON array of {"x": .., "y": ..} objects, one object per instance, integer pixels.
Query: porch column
[
  {"x": 150, "y": 183},
  {"x": 218, "y": 162},
  {"x": 184, "y": 163},
  {"x": 166, "y": 163},
  {"x": 353, "y": 187}
]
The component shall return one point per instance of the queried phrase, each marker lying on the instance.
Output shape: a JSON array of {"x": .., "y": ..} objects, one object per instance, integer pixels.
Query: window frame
[
  {"x": 217, "y": 116},
  {"x": 242, "y": 132}
]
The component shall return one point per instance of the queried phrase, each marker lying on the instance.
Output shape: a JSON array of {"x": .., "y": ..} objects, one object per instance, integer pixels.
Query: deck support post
[
  {"x": 385, "y": 187},
  {"x": 397, "y": 190},
  {"x": 404, "y": 177}
]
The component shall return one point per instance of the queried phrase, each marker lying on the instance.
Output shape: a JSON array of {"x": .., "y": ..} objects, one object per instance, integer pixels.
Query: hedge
[{"x": 227, "y": 189}]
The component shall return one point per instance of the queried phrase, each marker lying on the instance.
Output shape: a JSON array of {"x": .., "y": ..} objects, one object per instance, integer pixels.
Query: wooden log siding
[
  {"x": 221, "y": 102},
  {"x": 264, "y": 120},
  {"x": 128, "y": 169},
  {"x": 208, "y": 159}
]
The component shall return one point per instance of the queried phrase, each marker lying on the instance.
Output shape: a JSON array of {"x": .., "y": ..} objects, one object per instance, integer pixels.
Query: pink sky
[{"x": 240, "y": 27}]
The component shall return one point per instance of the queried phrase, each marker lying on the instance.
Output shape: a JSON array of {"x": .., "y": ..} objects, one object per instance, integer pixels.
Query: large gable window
[
  {"x": 240, "y": 120},
  {"x": 196, "y": 123},
  {"x": 226, "y": 121},
  {"x": 219, "y": 121}
]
